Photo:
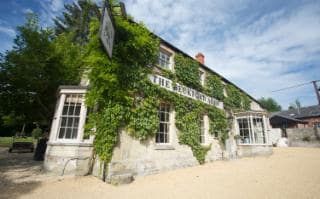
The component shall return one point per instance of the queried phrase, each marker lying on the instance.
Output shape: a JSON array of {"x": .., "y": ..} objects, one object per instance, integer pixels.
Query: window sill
[
  {"x": 79, "y": 144},
  {"x": 163, "y": 147},
  {"x": 205, "y": 144}
]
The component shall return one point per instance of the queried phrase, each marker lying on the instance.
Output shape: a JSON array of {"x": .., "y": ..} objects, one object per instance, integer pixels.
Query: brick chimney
[{"x": 200, "y": 58}]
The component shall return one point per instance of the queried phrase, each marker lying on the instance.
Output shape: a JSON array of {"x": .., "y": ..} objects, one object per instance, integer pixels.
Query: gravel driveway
[
  {"x": 19, "y": 173},
  {"x": 288, "y": 173}
]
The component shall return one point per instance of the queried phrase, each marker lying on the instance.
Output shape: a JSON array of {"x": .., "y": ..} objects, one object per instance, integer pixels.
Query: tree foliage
[
  {"x": 76, "y": 18},
  {"x": 32, "y": 71},
  {"x": 269, "y": 104}
]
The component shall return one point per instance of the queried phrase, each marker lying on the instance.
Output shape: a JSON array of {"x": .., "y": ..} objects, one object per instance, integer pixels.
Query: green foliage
[
  {"x": 189, "y": 133},
  {"x": 306, "y": 138},
  {"x": 295, "y": 105},
  {"x": 188, "y": 114},
  {"x": 187, "y": 71},
  {"x": 144, "y": 119},
  {"x": 7, "y": 141},
  {"x": 32, "y": 71},
  {"x": 120, "y": 86},
  {"x": 236, "y": 100},
  {"x": 270, "y": 104},
  {"x": 36, "y": 133},
  {"x": 215, "y": 87},
  {"x": 218, "y": 123},
  {"x": 124, "y": 98},
  {"x": 105, "y": 125},
  {"x": 116, "y": 85},
  {"x": 75, "y": 19}
]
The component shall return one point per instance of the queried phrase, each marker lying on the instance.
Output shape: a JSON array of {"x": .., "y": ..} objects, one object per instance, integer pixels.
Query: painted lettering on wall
[{"x": 184, "y": 90}]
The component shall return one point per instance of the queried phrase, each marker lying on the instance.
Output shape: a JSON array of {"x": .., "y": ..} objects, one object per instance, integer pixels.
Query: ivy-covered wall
[{"x": 124, "y": 98}]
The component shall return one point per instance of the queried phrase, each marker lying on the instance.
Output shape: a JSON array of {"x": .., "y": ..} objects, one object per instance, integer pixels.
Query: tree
[
  {"x": 295, "y": 105},
  {"x": 31, "y": 72},
  {"x": 76, "y": 19},
  {"x": 270, "y": 104}
]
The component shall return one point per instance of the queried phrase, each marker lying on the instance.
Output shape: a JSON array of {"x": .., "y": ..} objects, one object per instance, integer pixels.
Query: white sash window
[{"x": 70, "y": 117}]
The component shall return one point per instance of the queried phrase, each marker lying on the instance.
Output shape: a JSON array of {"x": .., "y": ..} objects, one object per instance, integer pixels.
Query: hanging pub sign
[{"x": 107, "y": 30}]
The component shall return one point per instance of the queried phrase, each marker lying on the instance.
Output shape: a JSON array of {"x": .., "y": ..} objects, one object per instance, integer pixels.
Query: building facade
[
  {"x": 303, "y": 117},
  {"x": 70, "y": 152}
]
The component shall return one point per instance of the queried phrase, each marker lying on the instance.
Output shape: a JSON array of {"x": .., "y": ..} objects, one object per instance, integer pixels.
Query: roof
[
  {"x": 303, "y": 112},
  {"x": 281, "y": 120}
]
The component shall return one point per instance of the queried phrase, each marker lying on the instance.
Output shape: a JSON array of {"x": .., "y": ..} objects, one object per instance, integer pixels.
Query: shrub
[
  {"x": 36, "y": 133},
  {"x": 306, "y": 138}
]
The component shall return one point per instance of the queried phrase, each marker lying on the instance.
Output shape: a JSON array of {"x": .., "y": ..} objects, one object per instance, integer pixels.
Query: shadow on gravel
[{"x": 18, "y": 174}]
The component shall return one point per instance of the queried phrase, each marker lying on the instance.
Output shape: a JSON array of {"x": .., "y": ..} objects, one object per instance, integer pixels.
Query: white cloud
[
  {"x": 27, "y": 10},
  {"x": 259, "y": 50},
  {"x": 50, "y": 9},
  {"x": 8, "y": 31}
]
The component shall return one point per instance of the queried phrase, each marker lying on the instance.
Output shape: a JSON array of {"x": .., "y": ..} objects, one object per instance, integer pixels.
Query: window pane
[
  {"x": 68, "y": 133},
  {"x": 77, "y": 111},
  {"x": 74, "y": 133},
  {"x": 70, "y": 116},
  {"x": 244, "y": 130},
  {"x": 65, "y": 110},
  {"x": 61, "y": 133},
  {"x": 76, "y": 122},
  {"x": 69, "y": 122},
  {"x": 164, "y": 59},
  {"x": 63, "y": 121},
  {"x": 71, "y": 109},
  {"x": 162, "y": 135}
]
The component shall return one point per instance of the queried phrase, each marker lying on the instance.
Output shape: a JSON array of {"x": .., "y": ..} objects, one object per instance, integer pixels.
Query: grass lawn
[{"x": 7, "y": 141}]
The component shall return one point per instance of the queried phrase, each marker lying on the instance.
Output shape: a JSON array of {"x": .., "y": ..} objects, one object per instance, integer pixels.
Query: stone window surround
[
  {"x": 251, "y": 115},
  {"x": 207, "y": 136},
  {"x": 172, "y": 130},
  {"x": 172, "y": 54},
  {"x": 202, "y": 76},
  {"x": 54, "y": 132}
]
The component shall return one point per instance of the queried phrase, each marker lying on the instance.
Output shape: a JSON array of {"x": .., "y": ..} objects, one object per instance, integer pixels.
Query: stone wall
[
  {"x": 274, "y": 135},
  {"x": 68, "y": 159},
  {"x": 253, "y": 150},
  {"x": 305, "y": 137},
  {"x": 134, "y": 158}
]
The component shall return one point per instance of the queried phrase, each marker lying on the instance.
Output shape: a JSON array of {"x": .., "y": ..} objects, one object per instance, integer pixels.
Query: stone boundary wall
[
  {"x": 274, "y": 135},
  {"x": 304, "y": 137}
]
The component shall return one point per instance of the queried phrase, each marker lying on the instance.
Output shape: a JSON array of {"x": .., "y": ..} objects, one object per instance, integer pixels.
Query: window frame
[
  {"x": 166, "y": 124},
  {"x": 202, "y": 76},
  {"x": 253, "y": 129},
  {"x": 202, "y": 132},
  {"x": 166, "y": 51},
  {"x": 55, "y": 125},
  {"x": 67, "y": 116}
]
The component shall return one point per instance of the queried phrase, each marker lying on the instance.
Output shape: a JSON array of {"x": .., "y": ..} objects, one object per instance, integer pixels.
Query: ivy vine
[
  {"x": 236, "y": 100},
  {"x": 214, "y": 87},
  {"x": 187, "y": 71},
  {"x": 124, "y": 98}
]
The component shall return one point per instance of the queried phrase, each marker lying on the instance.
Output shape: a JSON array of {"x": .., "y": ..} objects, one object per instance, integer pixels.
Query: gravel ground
[{"x": 288, "y": 173}]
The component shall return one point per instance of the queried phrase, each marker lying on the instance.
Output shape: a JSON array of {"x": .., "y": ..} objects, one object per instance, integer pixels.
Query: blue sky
[{"x": 260, "y": 45}]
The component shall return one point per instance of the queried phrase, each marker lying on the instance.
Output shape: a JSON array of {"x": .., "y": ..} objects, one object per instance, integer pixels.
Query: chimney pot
[{"x": 200, "y": 58}]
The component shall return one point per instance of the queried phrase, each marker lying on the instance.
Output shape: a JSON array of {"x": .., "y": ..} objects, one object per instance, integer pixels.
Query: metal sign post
[
  {"x": 317, "y": 90},
  {"x": 107, "y": 30}
]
